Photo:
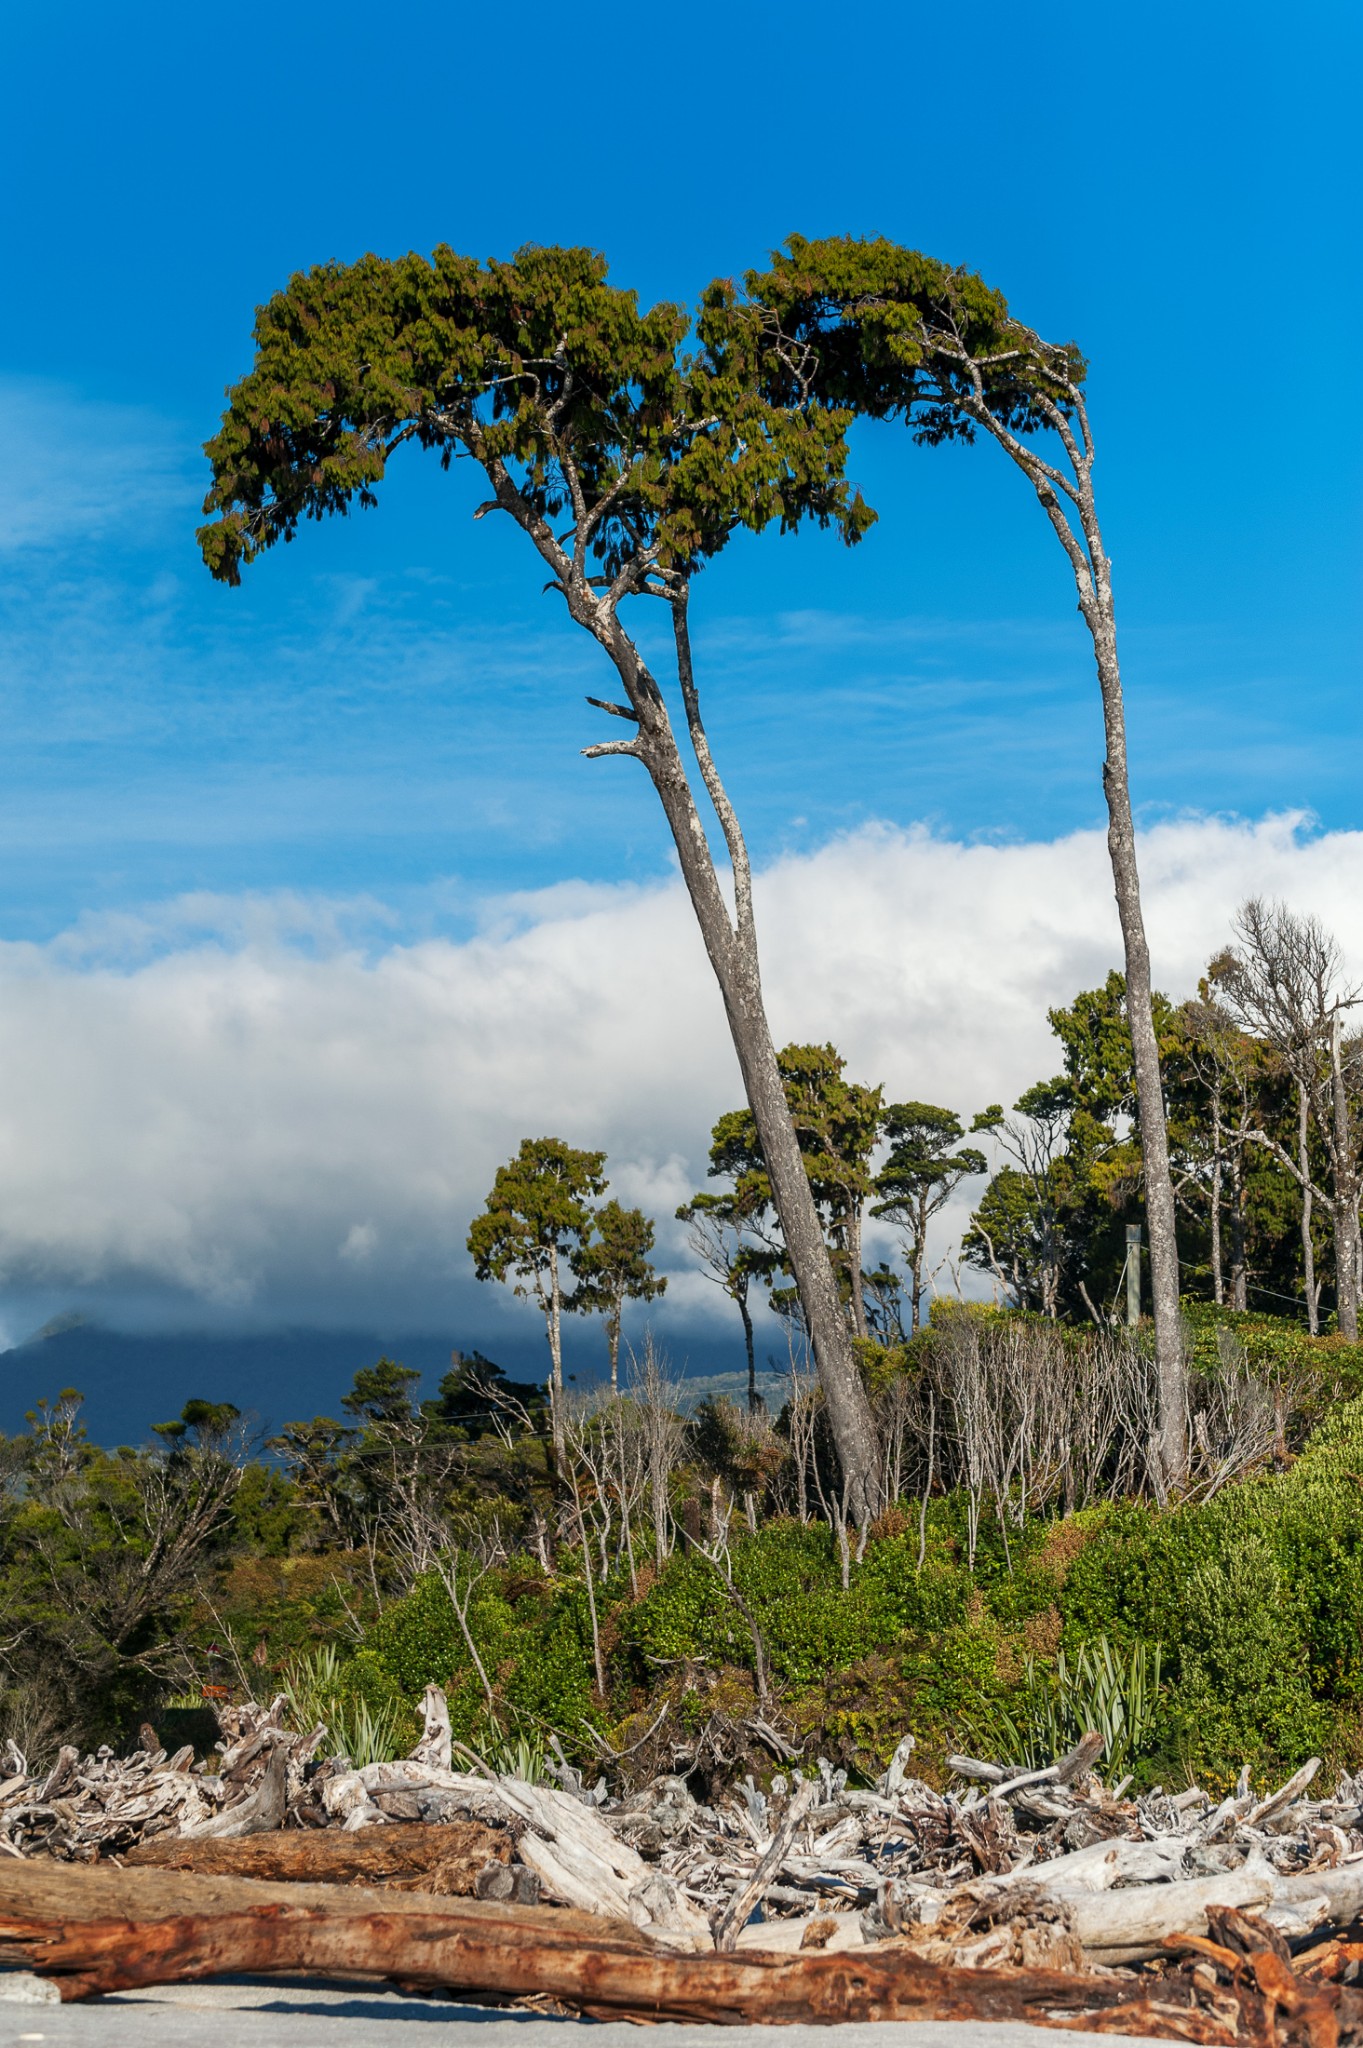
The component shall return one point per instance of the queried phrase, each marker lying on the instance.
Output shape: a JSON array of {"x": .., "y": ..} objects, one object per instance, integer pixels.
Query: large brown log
[
  {"x": 445, "y": 1859},
  {"x": 178, "y": 1927}
]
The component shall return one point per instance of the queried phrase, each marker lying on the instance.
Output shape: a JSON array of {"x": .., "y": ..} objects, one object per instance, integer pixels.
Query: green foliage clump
[
  {"x": 1255, "y": 1598},
  {"x": 926, "y": 1601},
  {"x": 1097, "y": 1689},
  {"x": 787, "y": 1577},
  {"x": 539, "y": 1652},
  {"x": 1315, "y": 1371},
  {"x": 417, "y": 1638},
  {"x": 957, "y": 1680},
  {"x": 357, "y": 1701}
]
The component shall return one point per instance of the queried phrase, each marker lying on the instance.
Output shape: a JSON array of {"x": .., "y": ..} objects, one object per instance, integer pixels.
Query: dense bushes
[
  {"x": 1254, "y": 1598},
  {"x": 1257, "y": 1599}
]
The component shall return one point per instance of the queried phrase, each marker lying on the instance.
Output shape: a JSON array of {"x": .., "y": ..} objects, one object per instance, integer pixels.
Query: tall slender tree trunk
[
  {"x": 754, "y": 1399},
  {"x": 1093, "y": 578},
  {"x": 917, "y": 1260},
  {"x": 1345, "y": 1195},
  {"x": 731, "y": 944},
  {"x": 1161, "y": 1221},
  {"x": 858, "y": 1293},
  {"x": 551, "y": 1301},
  {"x": 1239, "y": 1278},
  {"x": 1218, "y": 1281},
  {"x": 1308, "y": 1250},
  {"x": 613, "y": 1340},
  {"x": 849, "y": 1410}
]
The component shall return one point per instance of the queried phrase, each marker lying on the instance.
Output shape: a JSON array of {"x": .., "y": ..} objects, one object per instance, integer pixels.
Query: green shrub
[
  {"x": 1280, "y": 1349},
  {"x": 1113, "y": 1693},
  {"x": 788, "y": 1577},
  {"x": 1242, "y": 1692},
  {"x": 417, "y": 1638},
  {"x": 365, "y": 1716},
  {"x": 956, "y": 1681},
  {"x": 1256, "y": 1597},
  {"x": 538, "y": 1654}
]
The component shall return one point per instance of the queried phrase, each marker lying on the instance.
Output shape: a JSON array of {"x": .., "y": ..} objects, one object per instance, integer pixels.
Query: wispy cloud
[{"x": 76, "y": 468}]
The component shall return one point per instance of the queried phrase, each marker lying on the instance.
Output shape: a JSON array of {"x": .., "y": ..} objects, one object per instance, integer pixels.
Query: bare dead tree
[
  {"x": 894, "y": 1412},
  {"x": 609, "y": 1438},
  {"x": 1237, "y": 1420},
  {"x": 928, "y": 1477},
  {"x": 461, "y": 1576},
  {"x": 1033, "y": 1419},
  {"x": 628, "y": 1438},
  {"x": 1283, "y": 980},
  {"x": 1035, "y": 1142},
  {"x": 801, "y": 1411},
  {"x": 717, "y": 1554},
  {"x": 719, "y": 1240},
  {"x": 584, "y": 1538},
  {"x": 657, "y": 1398},
  {"x": 1227, "y": 1064},
  {"x": 407, "y": 1477}
]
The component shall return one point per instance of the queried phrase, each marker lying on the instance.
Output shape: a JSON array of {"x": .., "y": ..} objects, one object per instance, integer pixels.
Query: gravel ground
[{"x": 246, "y": 2013}]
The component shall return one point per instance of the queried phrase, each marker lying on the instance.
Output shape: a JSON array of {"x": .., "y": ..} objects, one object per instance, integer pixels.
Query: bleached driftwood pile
[{"x": 1035, "y": 1874}]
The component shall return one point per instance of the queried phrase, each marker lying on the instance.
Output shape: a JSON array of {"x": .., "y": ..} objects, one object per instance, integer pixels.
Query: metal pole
[{"x": 1133, "y": 1274}]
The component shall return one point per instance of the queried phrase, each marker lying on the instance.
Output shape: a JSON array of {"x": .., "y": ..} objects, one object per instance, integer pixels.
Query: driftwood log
[
  {"x": 445, "y": 1860},
  {"x": 1129, "y": 1925},
  {"x": 99, "y": 1930},
  {"x": 1029, "y": 1874}
]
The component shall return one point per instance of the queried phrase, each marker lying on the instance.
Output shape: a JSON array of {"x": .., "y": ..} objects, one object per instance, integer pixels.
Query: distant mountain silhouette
[{"x": 131, "y": 1381}]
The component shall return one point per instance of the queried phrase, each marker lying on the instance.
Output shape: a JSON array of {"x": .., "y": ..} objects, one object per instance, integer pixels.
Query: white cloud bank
[{"x": 304, "y": 1129}]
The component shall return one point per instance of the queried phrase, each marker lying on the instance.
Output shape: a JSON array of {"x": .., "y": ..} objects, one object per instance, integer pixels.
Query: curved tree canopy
[
  {"x": 891, "y": 332},
  {"x": 545, "y": 373}
]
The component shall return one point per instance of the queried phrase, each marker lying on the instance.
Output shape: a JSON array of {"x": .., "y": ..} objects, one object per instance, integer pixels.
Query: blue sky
[
  {"x": 389, "y": 706},
  {"x": 215, "y": 803}
]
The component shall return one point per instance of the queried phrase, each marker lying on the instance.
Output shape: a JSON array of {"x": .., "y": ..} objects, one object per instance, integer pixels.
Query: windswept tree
[
  {"x": 921, "y": 1174},
  {"x": 612, "y": 1267},
  {"x": 537, "y": 1216},
  {"x": 627, "y": 462},
  {"x": 890, "y": 334}
]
